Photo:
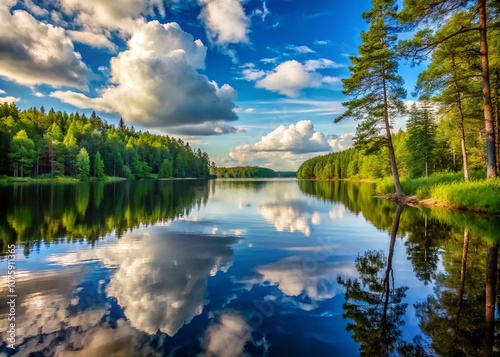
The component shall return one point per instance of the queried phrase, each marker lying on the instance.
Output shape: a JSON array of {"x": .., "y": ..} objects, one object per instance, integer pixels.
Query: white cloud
[
  {"x": 252, "y": 74},
  {"x": 227, "y": 337},
  {"x": 97, "y": 15},
  {"x": 296, "y": 138},
  {"x": 35, "y": 9},
  {"x": 225, "y": 21},
  {"x": 312, "y": 65},
  {"x": 2, "y": 91},
  {"x": 155, "y": 82},
  {"x": 9, "y": 99},
  {"x": 322, "y": 42},
  {"x": 92, "y": 39},
  {"x": 32, "y": 52},
  {"x": 38, "y": 94},
  {"x": 285, "y": 148},
  {"x": 249, "y": 110},
  {"x": 342, "y": 142},
  {"x": 300, "y": 49},
  {"x": 290, "y": 77},
  {"x": 269, "y": 60}
]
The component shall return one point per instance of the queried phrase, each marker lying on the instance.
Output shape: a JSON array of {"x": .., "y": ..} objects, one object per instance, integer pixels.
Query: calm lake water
[{"x": 254, "y": 268}]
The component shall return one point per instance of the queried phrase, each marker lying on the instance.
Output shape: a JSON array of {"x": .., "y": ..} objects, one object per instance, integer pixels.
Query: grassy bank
[
  {"x": 449, "y": 189},
  {"x": 50, "y": 178}
]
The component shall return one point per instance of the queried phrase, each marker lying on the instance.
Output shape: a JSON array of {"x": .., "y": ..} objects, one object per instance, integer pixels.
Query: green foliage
[
  {"x": 22, "y": 153},
  {"x": 98, "y": 165},
  {"x": 421, "y": 140},
  {"x": 82, "y": 164},
  {"x": 58, "y": 138},
  {"x": 243, "y": 172},
  {"x": 166, "y": 169}
]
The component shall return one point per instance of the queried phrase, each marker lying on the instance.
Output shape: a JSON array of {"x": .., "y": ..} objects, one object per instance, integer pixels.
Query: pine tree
[
  {"x": 376, "y": 88},
  {"x": 421, "y": 139},
  {"x": 98, "y": 165},
  {"x": 22, "y": 153},
  {"x": 83, "y": 164}
]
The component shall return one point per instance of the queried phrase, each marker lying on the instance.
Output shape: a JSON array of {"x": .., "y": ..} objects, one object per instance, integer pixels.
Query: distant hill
[
  {"x": 242, "y": 172},
  {"x": 286, "y": 174}
]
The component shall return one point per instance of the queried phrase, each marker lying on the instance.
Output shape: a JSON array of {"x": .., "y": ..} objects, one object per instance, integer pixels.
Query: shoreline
[{"x": 430, "y": 202}]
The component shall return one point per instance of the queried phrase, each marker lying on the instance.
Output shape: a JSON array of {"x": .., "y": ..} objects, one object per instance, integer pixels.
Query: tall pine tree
[{"x": 374, "y": 85}]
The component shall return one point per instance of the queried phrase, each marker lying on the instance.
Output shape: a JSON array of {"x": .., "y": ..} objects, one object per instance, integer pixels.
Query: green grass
[
  {"x": 477, "y": 194},
  {"x": 52, "y": 178},
  {"x": 481, "y": 195}
]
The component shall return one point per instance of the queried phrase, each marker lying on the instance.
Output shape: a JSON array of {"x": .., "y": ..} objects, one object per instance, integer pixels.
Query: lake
[{"x": 243, "y": 267}]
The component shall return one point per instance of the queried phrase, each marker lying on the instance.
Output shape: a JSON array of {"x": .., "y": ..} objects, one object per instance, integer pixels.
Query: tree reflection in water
[{"x": 373, "y": 303}]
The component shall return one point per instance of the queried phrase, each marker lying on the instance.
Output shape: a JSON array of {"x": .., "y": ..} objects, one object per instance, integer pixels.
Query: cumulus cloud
[
  {"x": 290, "y": 77},
  {"x": 322, "y": 42},
  {"x": 225, "y": 21},
  {"x": 206, "y": 129},
  {"x": 288, "y": 147},
  {"x": 122, "y": 15},
  {"x": 155, "y": 82},
  {"x": 296, "y": 138},
  {"x": 227, "y": 337},
  {"x": 92, "y": 39},
  {"x": 342, "y": 142},
  {"x": 9, "y": 99},
  {"x": 33, "y": 52}
]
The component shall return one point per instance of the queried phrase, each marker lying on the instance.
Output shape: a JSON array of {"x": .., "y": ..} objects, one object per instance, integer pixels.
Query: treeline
[
  {"x": 455, "y": 125},
  {"x": 431, "y": 144},
  {"x": 242, "y": 172},
  {"x": 36, "y": 143}
]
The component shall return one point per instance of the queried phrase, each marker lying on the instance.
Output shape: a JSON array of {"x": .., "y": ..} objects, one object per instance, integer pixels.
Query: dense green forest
[
  {"x": 33, "y": 142},
  {"x": 242, "y": 172},
  {"x": 455, "y": 124}
]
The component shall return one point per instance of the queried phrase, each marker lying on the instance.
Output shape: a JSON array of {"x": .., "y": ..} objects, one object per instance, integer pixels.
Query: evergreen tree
[
  {"x": 166, "y": 169},
  {"x": 98, "y": 165},
  {"x": 421, "y": 139},
  {"x": 376, "y": 88},
  {"x": 22, "y": 153},
  {"x": 425, "y": 41},
  {"x": 83, "y": 164}
]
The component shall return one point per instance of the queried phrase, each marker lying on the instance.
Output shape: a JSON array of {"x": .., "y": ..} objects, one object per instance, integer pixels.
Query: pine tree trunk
[
  {"x": 392, "y": 155},
  {"x": 491, "y": 164},
  {"x": 497, "y": 116},
  {"x": 461, "y": 124}
]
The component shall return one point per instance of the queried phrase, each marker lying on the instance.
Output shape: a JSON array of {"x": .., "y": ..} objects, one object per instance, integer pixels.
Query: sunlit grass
[{"x": 450, "y": 188}]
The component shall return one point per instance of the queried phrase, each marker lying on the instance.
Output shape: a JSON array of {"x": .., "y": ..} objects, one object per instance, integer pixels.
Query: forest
[
  {"x": 454, "y": 124},
  {"x": 242, "y": 172},
  {"x": 37, "y": 143}
]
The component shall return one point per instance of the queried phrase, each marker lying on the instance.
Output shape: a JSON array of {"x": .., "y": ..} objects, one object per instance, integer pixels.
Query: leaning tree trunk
[
  {"x": 390, "y": 147},
  {"x": 491, "y": 164}
]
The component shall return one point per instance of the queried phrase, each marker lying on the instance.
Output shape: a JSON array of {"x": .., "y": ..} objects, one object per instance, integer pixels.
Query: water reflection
[
  {"x": 290, "y": 216},
  {"x": 31, "y": 214},
  {"x": 228, "y": 268},
  {"x": 373, "y": 303}
]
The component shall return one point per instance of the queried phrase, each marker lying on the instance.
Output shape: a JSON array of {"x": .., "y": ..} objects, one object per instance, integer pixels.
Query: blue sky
[{"x": 250, "y": 82}]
